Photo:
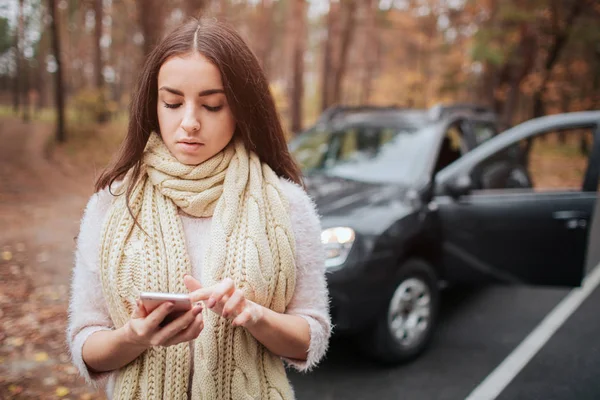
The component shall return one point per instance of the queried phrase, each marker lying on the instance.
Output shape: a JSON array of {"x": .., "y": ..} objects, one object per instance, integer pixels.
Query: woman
[{"x": 205, "y": 199}]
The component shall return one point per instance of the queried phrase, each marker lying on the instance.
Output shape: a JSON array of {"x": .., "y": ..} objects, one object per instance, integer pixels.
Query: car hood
[{"x": 336, "y": 196}]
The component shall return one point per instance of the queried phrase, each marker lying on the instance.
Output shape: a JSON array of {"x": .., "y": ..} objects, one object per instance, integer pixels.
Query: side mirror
[{"x": 459, "y": 187}]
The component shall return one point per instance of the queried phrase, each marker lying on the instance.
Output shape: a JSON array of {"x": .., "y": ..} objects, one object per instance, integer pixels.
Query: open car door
[{"x": 518, "y": 208}]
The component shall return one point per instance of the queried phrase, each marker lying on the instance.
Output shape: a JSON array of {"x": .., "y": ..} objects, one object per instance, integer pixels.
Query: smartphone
[{"x": 182, "y": 303}]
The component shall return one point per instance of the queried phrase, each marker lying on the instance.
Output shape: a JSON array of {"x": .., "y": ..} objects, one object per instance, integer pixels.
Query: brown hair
[{"x": 246, "y": 89}]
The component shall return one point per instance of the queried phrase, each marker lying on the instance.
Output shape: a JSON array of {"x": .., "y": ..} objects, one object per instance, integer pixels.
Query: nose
[{"x": 190, "y": 122}]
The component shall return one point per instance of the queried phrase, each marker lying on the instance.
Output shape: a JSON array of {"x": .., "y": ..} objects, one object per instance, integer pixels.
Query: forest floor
[{"x": 43, "y": 192}]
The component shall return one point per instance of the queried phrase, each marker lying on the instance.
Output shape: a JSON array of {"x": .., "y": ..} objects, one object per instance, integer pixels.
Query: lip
[
  {"x": 189, "y": 146},
  {"x": 189, "y": 141}
]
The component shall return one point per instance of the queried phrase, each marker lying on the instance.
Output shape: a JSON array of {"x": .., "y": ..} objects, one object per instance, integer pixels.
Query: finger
[
  {"x": 159, "y": 313},
  {"x": 140, "y": 310},
  {"x": 191, "y": 283},
  {"x": 242, "y": 319},
  {"x": 201, "y": 294},
  {"x": 189, "y": 333},
  {"x": 234, "y": 305},
  {"x": 178, "y": 325},
  {"x": 225, "y": 287}
]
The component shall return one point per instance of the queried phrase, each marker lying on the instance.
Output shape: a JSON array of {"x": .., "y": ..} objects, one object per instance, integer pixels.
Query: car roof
[
  {"x": 337, "y": 118},
  {"x": 380, "y": 118}
]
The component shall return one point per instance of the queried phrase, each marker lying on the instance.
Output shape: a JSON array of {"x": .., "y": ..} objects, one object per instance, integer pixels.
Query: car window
[
  {"x": 483, "y": 131},
  {"x": 559, "y": 160},
  {"x": 310, "y": 148},
  {"x": 550, "y": 161},
  {"x": 367, "y": 153},
  {"x": 452, "y": 147}
]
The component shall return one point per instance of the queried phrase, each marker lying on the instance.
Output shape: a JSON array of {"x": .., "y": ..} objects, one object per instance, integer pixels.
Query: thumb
[{"x": 191, "y": 283}]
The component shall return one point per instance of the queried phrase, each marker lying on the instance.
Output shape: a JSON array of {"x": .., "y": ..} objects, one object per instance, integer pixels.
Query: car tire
[{"x": 405, "y": 328}]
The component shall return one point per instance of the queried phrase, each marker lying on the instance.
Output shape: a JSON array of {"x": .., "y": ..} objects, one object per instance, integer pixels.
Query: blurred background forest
[
  {"x": 523, "y": 58},
  {"x": 67, "y": 69}
]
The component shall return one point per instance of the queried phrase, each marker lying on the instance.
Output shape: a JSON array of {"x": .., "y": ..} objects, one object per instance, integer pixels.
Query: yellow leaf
[
  {"x": 14, "y": 389},
  {"x": 41, "y": 356},
  {"x": 62, "y": 391},
  {"x": 6, "y": 255},
  {"x": 15, "y": 341}
]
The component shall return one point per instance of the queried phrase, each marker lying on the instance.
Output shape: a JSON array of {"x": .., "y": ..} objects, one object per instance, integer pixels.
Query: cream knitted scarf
[{"x": 251, "y": 242}]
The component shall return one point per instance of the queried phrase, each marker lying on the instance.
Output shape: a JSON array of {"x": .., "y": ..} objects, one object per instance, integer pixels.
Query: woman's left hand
[{"x": 226, "y": 300}]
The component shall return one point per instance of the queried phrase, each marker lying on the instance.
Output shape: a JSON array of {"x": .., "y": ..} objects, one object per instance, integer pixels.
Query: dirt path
[{"x": 40, "y": 209}]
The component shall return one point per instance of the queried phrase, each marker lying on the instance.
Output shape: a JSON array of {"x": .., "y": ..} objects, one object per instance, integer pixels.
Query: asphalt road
[{"x": 478, "y": 330}]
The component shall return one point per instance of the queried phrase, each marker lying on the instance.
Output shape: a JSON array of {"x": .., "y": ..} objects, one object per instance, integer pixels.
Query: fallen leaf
[
  {"x": 71, "y": 370},
  {"x": 15, "y": 341},
  {"x": 15, "y": 389},
  {"x": 41, "y": 356},
  {"x": 62, "y": 391},
  {"x": 42, "y": 257},
  {"x": 6, "y": 255},
  {"x": 50, "y": 381}
]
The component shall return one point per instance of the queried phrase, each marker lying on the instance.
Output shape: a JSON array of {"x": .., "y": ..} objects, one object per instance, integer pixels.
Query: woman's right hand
[{"x": 143, "y": 329}]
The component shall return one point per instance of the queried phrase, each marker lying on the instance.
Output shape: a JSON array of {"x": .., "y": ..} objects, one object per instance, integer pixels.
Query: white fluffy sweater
[{"x": 88, "y": 311}]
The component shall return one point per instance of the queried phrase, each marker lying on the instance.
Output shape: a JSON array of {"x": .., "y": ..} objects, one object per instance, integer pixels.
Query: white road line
[{"x": 504, "y": 373}]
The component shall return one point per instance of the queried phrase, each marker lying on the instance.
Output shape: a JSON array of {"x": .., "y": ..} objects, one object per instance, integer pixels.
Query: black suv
[{"x": 412, "y": 200}]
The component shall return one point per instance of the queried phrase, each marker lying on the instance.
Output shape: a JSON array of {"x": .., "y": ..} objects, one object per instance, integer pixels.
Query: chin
[{"x": 187, "y": 160}]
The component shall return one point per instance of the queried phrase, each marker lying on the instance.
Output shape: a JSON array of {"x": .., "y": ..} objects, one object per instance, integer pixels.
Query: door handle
[
  {"x": 573, "y": 219},
  {"x": 568, "y": 215}
]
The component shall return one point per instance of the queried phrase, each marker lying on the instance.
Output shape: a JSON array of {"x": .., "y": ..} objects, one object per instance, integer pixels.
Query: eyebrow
[{"x": 201, "y": 94}]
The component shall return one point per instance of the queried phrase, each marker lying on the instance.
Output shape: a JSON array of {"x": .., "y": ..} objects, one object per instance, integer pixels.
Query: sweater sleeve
[
  {"x": 88, "y": 312},
  {"x": 311, "y": 299}
]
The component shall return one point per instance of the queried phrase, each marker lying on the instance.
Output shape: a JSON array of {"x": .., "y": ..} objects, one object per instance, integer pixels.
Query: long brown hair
[{"x": 246, "y": 89}]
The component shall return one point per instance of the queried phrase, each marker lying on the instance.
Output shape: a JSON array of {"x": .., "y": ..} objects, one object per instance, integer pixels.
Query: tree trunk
[
  {"x": 150, "y": 18},
  {"x": 223, "y": 9},
  {"x": 58, "y": 85},
  {"x": 370, "y": 45},
  {"x": 348, "y": 26},
  {"x": 41, "y": 70},
  {"x": 297, "y": 40},
  {"x": 264, "y": 42},
  {"x": 327, "y": 75},
  {"x": 102, "y": 115},
  {"x": 560, "y": 39},
  {"x": 195, "y": 8},
  {"x": 24, "y": 93},
  {"x": 518, "y": 68},
  {"x": 16, "y": 82}
]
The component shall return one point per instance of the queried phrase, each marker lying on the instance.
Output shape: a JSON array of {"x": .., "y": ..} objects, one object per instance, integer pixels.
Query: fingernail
[
  {"x": 225, "y": 314},
  {"x": 211, "y": 302},
  {"x": 197, "y": 309}
]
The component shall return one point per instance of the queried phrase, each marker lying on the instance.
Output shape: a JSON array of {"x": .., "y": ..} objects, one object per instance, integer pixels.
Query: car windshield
[{"x": 366, "y": 153}]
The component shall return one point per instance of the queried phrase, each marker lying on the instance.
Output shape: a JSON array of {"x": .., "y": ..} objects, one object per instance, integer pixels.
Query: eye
[
  {"x": 169, "y": 105},
  {"x": 212, "y": 109}
]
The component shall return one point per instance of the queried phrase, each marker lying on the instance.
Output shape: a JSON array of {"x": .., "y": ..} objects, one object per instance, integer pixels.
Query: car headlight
[{"x": 337, "y": 243}]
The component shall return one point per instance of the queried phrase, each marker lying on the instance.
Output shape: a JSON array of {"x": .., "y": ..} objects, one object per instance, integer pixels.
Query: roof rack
[
  {"x": 334, "y": 111},
  {"x": 439, "y": 110}
]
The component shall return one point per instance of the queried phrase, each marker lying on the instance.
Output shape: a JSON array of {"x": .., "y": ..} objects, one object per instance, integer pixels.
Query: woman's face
[{"x": 194, "y": 118}]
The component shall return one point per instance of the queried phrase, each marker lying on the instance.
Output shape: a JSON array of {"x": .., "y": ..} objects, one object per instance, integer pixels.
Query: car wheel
[{"x": 406, "y": 327}]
